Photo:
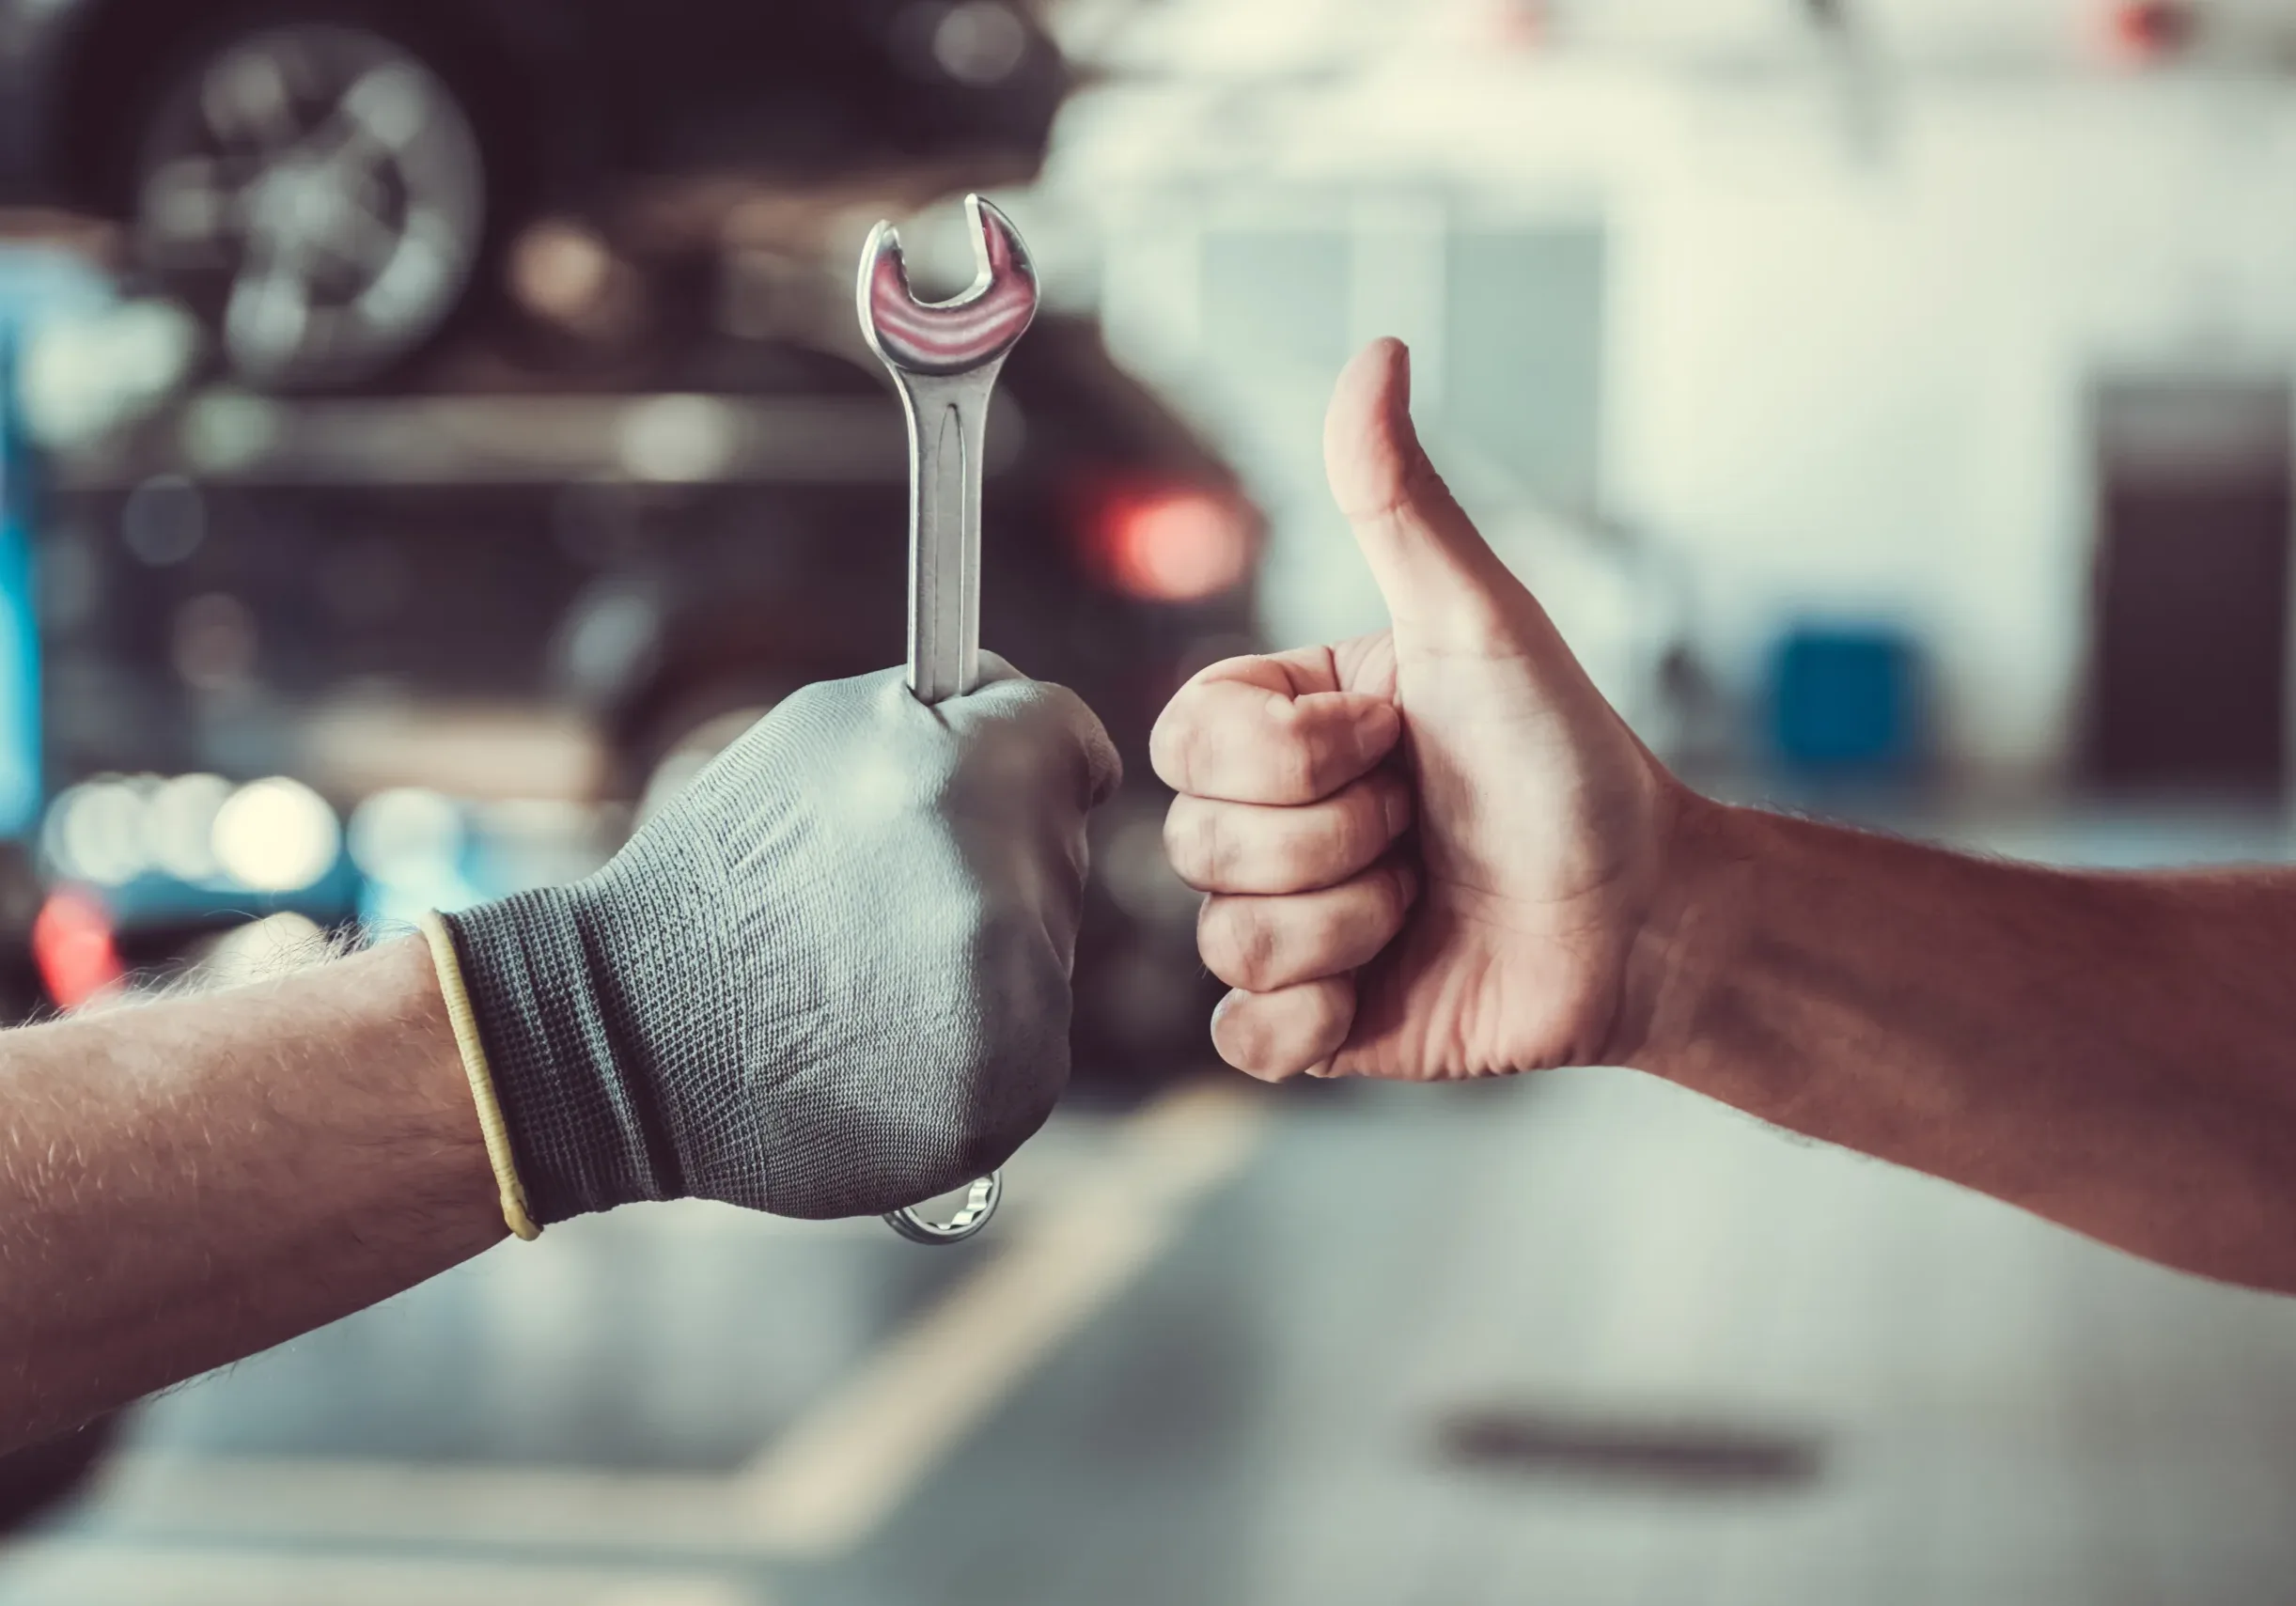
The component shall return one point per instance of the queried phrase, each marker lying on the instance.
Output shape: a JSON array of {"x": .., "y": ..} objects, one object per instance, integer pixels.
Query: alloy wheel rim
[{"x": 317, "y": 195}]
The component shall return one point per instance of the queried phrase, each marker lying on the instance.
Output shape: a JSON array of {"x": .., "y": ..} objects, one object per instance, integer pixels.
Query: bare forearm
[
  {"x": 188, "y": 1182},
  {"x": 2114, "y": 1052}
]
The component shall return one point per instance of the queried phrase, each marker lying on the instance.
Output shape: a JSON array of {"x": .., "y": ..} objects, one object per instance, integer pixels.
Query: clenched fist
[
  {"x": 830, "y": 978},
  {"x": 1429, "y": 851}
]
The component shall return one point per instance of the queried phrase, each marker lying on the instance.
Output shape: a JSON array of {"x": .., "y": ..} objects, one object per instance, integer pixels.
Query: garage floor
[{"x": 1576, "y": 1339}]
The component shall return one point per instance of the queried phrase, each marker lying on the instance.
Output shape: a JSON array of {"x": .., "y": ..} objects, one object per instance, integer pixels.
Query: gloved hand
[{"x": 830, "y": 978}]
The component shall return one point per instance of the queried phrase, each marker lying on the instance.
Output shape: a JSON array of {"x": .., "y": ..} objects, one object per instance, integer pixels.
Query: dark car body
[
  {"x": 457, "y": 551},
  {"x": 575, "y": 93}
]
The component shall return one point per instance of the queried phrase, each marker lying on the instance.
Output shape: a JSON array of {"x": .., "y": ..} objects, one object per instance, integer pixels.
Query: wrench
[{"x": 944, "y": 357}]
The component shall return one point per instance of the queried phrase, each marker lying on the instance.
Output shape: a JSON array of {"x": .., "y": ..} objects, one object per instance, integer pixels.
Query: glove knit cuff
[{"x": 560, "y": 1044}]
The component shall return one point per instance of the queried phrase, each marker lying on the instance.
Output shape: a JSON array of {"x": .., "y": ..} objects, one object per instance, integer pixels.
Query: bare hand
[{"x": 1496, "y": 936}]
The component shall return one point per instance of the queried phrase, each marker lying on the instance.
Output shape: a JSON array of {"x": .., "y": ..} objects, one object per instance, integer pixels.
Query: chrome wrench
[{"x": 944, "y": 357}]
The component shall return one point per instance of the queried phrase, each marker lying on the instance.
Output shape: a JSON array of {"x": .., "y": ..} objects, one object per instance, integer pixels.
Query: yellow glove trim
[{"x": 449, "y": 966}]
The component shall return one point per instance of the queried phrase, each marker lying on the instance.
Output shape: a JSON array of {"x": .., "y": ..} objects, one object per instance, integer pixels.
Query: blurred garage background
[{"x": 433, "y": 428}]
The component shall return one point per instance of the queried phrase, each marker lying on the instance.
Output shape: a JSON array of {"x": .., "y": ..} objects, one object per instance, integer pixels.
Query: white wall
[
  {"x": 1860, "y": 389},
  {"x": 1846, "y": 378}
]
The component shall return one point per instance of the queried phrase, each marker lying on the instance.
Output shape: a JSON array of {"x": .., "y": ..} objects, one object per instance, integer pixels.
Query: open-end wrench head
[{"x": 953, "y": 336}]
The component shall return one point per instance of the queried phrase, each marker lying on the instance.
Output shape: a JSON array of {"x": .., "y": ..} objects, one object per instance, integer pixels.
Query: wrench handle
[{"x": 947, "y": 418}]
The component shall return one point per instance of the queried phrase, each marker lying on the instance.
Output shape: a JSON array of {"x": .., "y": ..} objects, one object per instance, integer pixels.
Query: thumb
[{"x": 1440, "y": 580}]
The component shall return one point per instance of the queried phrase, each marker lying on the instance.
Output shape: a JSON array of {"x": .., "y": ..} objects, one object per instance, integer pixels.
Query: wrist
[
  {"x": 385, "y": 1145},
  {"x": 1708, "y": 853},
  {"x": 401, "y": 979}
]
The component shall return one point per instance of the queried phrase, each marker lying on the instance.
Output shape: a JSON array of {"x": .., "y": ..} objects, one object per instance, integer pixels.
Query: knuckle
[
  {"x": 1181, "y": 743},
  {"x": 1314, "y": 850},
  {"x": 1180, "y": 832},
  {"x": 1290, "y": 860},
  {"x": 1332, "y": 840},
  {"x": 1278, "y": 1036},
  {"x": 1244, "y": 1040},
  {"x": 1168, "y": 741},
  {"x": 1199, "y": 844},
  {"x": 982, "y": 1109},
  {"x": 1238, "y": 942},
  {"x": 1297, "y": 755},
  {"x": 1257, "y": 1038}
]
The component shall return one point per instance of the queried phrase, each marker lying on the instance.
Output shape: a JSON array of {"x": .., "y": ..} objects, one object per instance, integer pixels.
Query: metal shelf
[{"x": 237, "y": 437}]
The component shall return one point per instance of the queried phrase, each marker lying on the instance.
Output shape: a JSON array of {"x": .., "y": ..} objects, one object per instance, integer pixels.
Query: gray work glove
[{"x": 829, "y": 979}]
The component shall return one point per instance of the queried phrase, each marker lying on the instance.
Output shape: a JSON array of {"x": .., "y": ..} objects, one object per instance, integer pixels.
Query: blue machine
[
  {"x": 35, "y": 284},
  {"x": 1845, "y": 701}
]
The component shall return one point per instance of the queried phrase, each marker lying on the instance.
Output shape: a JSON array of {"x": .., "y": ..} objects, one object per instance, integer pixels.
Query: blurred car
[
  {"x": 326, "y": 182},
  {"x": 265, "y": 620}
]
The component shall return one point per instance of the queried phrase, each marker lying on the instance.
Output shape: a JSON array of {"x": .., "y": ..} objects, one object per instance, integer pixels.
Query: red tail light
[
  {"x": 2138, "y": 33},
  {"x": 71, "y": 943},
  {"x": 1171, "y": 544}
]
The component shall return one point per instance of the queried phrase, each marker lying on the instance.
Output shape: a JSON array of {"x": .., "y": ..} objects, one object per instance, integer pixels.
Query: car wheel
[{"x": 316, "y": 192}]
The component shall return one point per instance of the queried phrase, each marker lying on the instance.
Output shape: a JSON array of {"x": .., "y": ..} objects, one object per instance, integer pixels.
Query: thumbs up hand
[{"x": 1432, "y": 852}]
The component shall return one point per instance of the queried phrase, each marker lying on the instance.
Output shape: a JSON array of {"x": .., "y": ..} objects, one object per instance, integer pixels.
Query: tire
[{"x": 316, "y": 192}]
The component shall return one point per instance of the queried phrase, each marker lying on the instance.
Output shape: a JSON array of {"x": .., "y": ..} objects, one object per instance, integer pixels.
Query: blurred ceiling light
[
  {"x": 180, "y": 825},
  {"x": 681, "y": 439},
  {"x": 224, "y": 430},
  {"x": 85, "y": 374},
  {"x": 73, "y": 948},
  {"x": 276, "y": 835},
  {"x": 164, "y": 520},
  {"x": 95, "y": 833},
  {"x": 406, "y": 835},
  {"x": 979, "y": 42},
  {"x": 275, "y": 945},
  {"x": 565, "y": 273},
  {"x": 1173, "y": 546},
  {"x": 559, "y": 268}
]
